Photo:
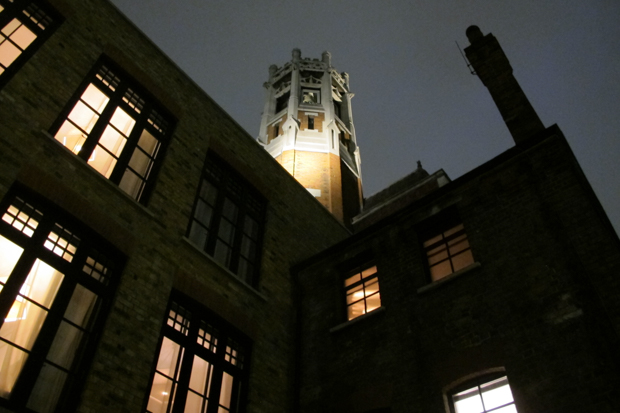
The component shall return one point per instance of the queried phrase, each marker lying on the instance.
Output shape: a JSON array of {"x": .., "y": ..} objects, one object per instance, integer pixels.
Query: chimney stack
[{"x": 493, "y": 68}]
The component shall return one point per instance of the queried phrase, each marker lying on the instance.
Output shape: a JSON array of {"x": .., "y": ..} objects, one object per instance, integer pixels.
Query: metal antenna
[{"x": 464, "y": 58}]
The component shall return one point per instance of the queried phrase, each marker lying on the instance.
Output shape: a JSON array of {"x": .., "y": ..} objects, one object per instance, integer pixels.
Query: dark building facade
[
  {"x": 154, "y": 257},
  {"x": 493, "y": 292}
]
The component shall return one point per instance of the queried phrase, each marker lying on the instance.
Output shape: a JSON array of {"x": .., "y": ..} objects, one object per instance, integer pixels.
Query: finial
[
  {"x": 296, "y": 54},
  {"x": 272, "y": 70},
  {"x": 474, "y": 34},
  {"x": 419, "y": 165},
  {"x": 327, "y": 58}
]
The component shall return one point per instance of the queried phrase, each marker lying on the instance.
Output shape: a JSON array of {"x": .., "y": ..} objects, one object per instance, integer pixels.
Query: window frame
[
  {"x": 437, "y": 226},
  {"x": 477, "y": 382},
  {"x": 364, "y": 281},
  {"x": 37, "y": 249},
  {"x": 16, "y": 9},
  {"x": 126, "y": 93},
  {"x": 186, "y": 332},
  {"x": 246, "y": 197}
]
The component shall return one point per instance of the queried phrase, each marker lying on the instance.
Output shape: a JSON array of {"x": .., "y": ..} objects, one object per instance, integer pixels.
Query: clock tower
[{"x": 307, "y": 126}]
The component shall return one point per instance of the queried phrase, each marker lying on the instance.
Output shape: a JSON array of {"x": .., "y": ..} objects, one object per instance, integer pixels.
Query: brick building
[{"x": 155, "y": 257}]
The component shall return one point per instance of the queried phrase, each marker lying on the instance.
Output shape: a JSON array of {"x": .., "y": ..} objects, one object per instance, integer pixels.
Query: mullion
[
  {"x": 122, "y": 162},
  {"x": 104, "y": 120},
  {"x": 186, "y": 363},
  {"x": 218, "y": 216}
]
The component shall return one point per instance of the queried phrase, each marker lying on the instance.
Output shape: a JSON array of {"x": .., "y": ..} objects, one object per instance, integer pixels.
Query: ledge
[
  {"x": 448, "y": 278},
  {"x": 225, "y": 270},
  {"x": 92, "y": 171},
  {"x": 356, "y": 320}
]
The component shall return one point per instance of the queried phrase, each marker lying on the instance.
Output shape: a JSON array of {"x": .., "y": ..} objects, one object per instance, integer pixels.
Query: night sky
[{"x": 415, "y": 98}]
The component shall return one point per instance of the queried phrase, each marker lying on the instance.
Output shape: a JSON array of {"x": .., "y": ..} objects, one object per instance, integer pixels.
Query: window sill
[
  {"x": 66, "y": 152},
  {"x": 356, "y": 320},
  {"x": 225, "y": 270},
  {"x": 448, "y": 278}
]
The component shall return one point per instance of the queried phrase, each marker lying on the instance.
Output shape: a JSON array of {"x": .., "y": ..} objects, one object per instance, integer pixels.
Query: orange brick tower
[{"x": 307, "y": 126}]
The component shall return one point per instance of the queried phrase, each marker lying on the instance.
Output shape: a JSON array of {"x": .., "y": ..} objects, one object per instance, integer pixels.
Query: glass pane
[
  {"x": 83, "y": 116},
  {"x": 496, "y": 393},
  {"x": 65, "y": 345},
  {"x": 369, "y": 271},
  {"x": 95, "y": 98},
  {"x": 441, "y": 270},
  {"x": 248, "y": 248},
  {"x": 159, "y": 397},
  {"x": 208, "y": 192},
  {"x": 373, "y": 302},
  {"x": 460, "y": 245},
  {"x": 47, "y": 389},
  {"x": 230, "y": 210},
  {"x": 71, "y": 137},
  {"x": 372, "y": 287},
  {"x": 198, "y": 235},
  {"x": 352, "y": 279},
  {"x": 226, "y": 232},
  {"x": 468, "y": 401},
  {"x": 251, "y": 227},
  {"x": 193, "y": 403},
  {"x": 8, "y": 53},
  {"x": 354, "y": 294},
  {"x": 102, "y": 161},
  {"x": 122, "y": 121},
  {"x": 132, "y": 184},
  {"x": 81, "y": 306},
  {"x": 356, "y": 310},
  {"x": 169, "y": 355},
  {"x": 200, "y": 379},
  {"x": 23, "y": 323},
  {"x": 139, "y": 162},
  {"x": 23, "y": 37},
  {"x": 10, "y": 27},
  {"x": 222, "y": 253},
  {"x": 9, "y": 254},
  {"x": 112, "y": 140},
  {"x": 42, "y": 284},
  {"x": 437, "y": 254},
  {"x": 148, "y": 143},
  {"x": 203, "y": 213},
  {"x": 226, "y": 390},
  {"x": 11, "y": 362},
  {"x": 462, "y": 260}
]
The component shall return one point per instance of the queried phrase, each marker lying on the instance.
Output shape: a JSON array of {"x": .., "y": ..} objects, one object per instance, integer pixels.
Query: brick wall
[
  {"x": 540, "y": 305},
  {"x": 152, "y": 236}
]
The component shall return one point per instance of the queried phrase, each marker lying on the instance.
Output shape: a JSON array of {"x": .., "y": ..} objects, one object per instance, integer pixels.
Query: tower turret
[{"x": 307, "y": 126}]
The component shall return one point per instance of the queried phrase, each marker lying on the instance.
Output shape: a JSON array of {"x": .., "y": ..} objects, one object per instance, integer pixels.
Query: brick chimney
[{"x": 493, "y": 68}]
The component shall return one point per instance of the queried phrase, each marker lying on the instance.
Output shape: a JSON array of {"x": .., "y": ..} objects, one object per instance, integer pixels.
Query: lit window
[
  {"x": 117, "y": 128},
  {"x": 201, "y": 365},
  {"x": 54, "y": 288},
  {"x": 227, "y": 220},
  {"x": 489, "y": 395},
  {"x": 447, "y": 248},
  {"x": 310, "y": 96},
  {"x": 362, "y": 291},
  {"x": 24, "y": 26}
]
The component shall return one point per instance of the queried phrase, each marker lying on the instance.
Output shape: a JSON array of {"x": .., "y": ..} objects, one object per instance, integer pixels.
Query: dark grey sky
[{"x": 414, "y": 96}]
